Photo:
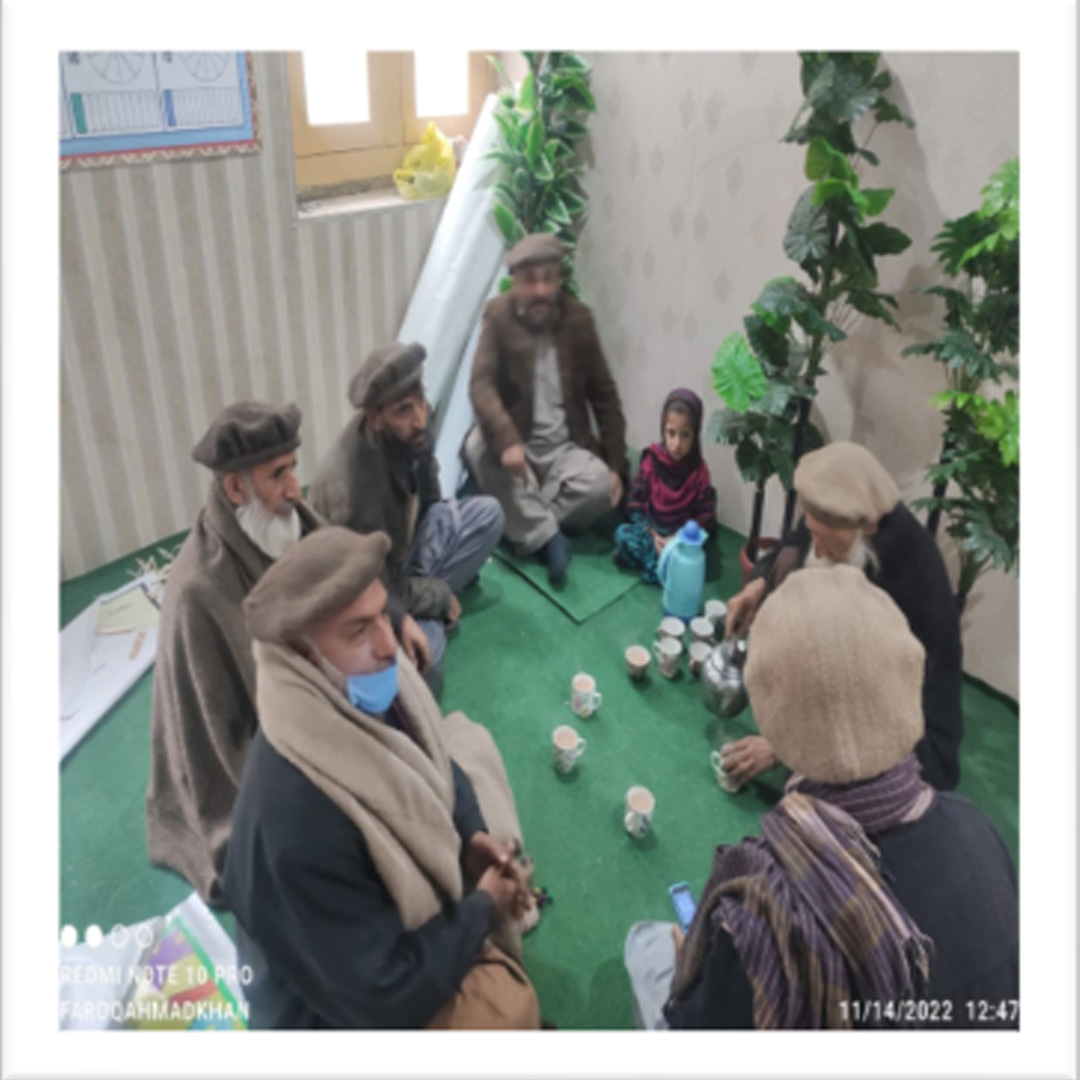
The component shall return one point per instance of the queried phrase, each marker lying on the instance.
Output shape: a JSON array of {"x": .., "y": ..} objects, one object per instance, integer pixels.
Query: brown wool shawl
[{"x": 399, "y": 792}]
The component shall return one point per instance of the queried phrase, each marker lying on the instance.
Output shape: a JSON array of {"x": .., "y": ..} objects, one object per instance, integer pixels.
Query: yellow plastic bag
[{"x": 429, "y": 169}]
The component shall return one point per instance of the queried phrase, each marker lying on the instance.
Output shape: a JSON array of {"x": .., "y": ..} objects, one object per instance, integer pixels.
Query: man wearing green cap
[
  {"x": 538, "y": 373},
  {"x": 365, "y": 881},
  {"x": 382, "y": 475}
]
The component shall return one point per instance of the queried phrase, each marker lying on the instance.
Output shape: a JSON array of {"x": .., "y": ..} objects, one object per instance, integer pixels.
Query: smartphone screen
[{"x": 683, "y": 899}]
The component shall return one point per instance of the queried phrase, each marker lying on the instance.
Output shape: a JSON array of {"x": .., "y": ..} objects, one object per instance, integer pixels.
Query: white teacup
[
  {"x": 568, "y": 746},
  {"x": 699, "y": 653},
  {"x": 715, "y": 612},
  {"x": 637, "y": 661},
  {"x": 716, "y": 760},
  {"x": 639, "y": 811},
  {"x": 667, "y": 651},
  {"x": 672, "y": 627},
  {"x": 584, "y": 697},
  {"x": 701, "y": 629}
]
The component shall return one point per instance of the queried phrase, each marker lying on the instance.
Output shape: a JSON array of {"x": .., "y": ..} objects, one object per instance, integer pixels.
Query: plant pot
[{"x": 765, "y": 545}]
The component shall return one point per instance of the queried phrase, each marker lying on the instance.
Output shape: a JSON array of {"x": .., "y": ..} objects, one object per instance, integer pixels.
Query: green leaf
[
  {"x": 736, "y": 373},
  {"x": 873, "y": 304},
  {"x": 807, "y": 236},
  {"x": 822, "y": 162},
  {"x": 510, "y": 128},
  {"x": 534, "y": 145},
  {"x": 496, "y": 63},
  {"x": 575, "y": 204},
  {"x": 1003, "y": 190},
  {"x": 876, "y": 200},
  {"x": 885, "y": 112},
  {"x": 508, "y": 225},
  {"x": 506, "y": 193},
  {"x": 883, "y": 239},
  {"x": 833, "y": 189},
  {"x": 782, "y": 296},
  {"x": 505, "y": 284},
  {"x": 557, "y": 211},
  {"x": 527, "y": 93},
  {"x": 509, "y": 158},
  {"x": 573, "y": 62}
]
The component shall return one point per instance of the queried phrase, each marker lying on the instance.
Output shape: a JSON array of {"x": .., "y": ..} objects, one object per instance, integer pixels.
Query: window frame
[{"x": 342, "y": 155}]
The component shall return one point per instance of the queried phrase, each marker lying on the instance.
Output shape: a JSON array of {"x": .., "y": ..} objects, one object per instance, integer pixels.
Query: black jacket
[
  {"x": 954, "y": 876},
  {"x": 314, "y": 922},
  {"x": 913, "y": 573}
]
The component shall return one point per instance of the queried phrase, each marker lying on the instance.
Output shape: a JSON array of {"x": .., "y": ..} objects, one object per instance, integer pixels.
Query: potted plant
[
  {"x": 541, "y": 125},
  {"x": 980, "y": 453},
  {"x": 767, "y": 378}
]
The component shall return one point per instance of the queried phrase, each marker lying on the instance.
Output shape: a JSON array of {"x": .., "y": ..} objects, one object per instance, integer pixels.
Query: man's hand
[
  {"x": 513, "y": 460},
  {"x": 742, "y": 608},
  {"x": 615, "y": 481},
  {"x": 509, "y": 893},
  {"x": 415, "y": 643},
  {"x": 453, "y": 613},
  {"x": 484, "y": 851},
  {"x": 746, "y": 758},
  {"x": 677, "y": 937}
]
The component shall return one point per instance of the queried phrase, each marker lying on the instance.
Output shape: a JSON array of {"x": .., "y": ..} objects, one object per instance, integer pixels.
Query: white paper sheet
[{"x": 96, "y": 670}]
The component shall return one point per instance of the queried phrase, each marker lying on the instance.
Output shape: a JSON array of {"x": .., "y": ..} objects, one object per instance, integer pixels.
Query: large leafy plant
[
  {"x": 767, "y": 378},
  {"x": 979, "y": 461},
  {"x": 540, "y": 126}
]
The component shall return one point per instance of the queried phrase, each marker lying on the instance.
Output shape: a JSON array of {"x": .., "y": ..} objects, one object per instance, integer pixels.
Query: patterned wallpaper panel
[
  {"x": 189, "y": 285},
  {"x": 690, "y": 191}
]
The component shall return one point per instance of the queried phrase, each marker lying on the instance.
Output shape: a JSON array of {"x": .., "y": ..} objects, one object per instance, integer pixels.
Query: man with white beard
[
  {"x": 203, "y": 713},
  {"x": 853, "y": 515}
]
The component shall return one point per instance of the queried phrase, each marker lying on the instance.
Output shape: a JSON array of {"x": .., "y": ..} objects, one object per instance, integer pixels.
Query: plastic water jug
[{"x": 681, "y": 571}]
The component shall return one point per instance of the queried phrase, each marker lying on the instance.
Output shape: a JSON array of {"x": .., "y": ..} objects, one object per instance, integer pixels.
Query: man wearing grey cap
[
  {"x": 537, "y": 373},
  {"x": 203, "y": 711},
  {"x": 381, "y": 475},
  {"x": 870, "y": 900},
  {"x": 853, "y": 516},
  {"x": 365, "y": 882}
]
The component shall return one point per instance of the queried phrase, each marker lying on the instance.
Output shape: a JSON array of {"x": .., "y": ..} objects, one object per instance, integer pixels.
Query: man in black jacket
[
  {"x": 853, "y": 515},
  {"x": 364, "y": 880},
  {"x": 870, "y": 899}
]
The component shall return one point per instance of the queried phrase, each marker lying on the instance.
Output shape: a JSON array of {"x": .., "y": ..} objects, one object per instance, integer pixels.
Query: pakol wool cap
[
  {"x": 389, "y": 373},
  {"x": 533, "y": 249},
  {"x": 835, "y": 676},
  {"x": 319, "y": 575},
  {"x": 246, "y": 434},
  {"x": 843, "y": 485}
]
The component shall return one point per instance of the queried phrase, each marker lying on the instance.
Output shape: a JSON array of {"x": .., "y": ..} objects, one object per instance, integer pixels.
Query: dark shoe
[{"x": 555, "y": 555}]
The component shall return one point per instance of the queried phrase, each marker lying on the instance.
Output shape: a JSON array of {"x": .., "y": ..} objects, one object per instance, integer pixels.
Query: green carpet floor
[{"x": 509, "y": 667}]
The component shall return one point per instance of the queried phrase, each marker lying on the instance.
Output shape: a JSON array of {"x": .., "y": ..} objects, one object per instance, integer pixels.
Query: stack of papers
[{"x": 103, "y": 652}]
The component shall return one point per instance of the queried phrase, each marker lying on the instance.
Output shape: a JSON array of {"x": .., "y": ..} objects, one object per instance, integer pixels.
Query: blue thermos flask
[{"x": 682, "y": 571}]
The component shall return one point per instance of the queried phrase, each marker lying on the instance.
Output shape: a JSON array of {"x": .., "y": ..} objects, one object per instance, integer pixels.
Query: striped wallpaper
[{"x": 186, "y": 286}]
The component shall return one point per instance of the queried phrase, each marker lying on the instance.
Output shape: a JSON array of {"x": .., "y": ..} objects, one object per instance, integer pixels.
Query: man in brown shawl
[
  {"x": 538, "y": 373},
  {"x": 365, "y": 881},
  {"x": 203, "y": 713},
  {"x": 870, "y": 899}
]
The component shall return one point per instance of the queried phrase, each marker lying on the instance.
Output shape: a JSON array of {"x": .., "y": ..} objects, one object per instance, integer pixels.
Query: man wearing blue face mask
[{"x": 365, "y": 882}]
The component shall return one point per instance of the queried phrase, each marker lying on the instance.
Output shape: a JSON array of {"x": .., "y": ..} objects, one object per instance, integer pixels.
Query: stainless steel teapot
[{"x": 721, "y": 679}]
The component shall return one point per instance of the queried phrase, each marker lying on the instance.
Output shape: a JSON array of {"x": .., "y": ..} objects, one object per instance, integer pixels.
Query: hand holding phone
[{"x": 685, "y": 906}]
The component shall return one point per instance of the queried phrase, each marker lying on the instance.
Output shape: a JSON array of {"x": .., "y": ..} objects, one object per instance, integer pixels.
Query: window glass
[
  {"x": 336, "y": 85},
  {"x": 442, "y": 82}
]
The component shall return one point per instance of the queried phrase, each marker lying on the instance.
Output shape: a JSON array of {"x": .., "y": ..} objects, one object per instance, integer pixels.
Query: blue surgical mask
[{"x": 373, "y": 693}]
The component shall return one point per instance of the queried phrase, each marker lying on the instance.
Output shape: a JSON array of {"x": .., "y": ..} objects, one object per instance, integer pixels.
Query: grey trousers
[
  {"x": 649, "y": 956},
  {"x": 454, "y": 539},
  {"x": 568, "y": 488}
]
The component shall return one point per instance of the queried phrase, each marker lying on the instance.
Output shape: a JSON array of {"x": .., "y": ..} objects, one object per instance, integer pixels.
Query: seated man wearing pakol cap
[
  {"x": 870, "y": 899},
  {"x": 382, "y": 475},
  {"x": 537, "y": 372},
  {"x": 853, "y": 515},
  {"x": 203, "y": 712},
  {"x": 362, "y": 874}
]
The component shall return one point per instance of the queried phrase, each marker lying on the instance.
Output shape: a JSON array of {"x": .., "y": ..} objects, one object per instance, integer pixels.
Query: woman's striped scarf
[{"x": 808, "y": 911}]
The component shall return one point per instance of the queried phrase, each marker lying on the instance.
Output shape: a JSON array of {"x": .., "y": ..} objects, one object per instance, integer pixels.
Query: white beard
[
  {"x": 272, "y": 534},
  {"x": 861, "y": 555}
]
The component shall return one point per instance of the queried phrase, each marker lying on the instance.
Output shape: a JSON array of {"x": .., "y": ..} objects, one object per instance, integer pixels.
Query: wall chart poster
[{"x": 123, "y": 108}]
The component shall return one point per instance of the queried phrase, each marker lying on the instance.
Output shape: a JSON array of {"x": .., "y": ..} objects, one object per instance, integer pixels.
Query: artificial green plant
[
  {"x": 540, "y": 126},
  {"x": 767, "y": 378},
  {"x": 977, "y": 475}
]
